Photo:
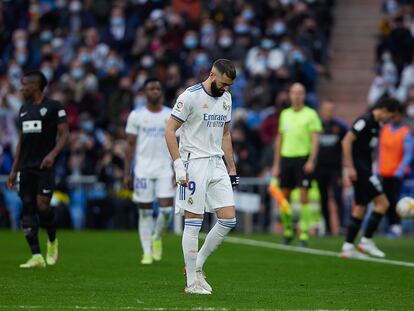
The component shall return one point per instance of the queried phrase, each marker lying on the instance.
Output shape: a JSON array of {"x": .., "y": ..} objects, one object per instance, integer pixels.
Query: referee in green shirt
[{"x": 296, "y": 149}]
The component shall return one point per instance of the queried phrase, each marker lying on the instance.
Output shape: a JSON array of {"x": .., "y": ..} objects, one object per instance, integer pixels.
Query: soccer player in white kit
[
  {"x": 153, "y": 172},
  {"x": 203, "y": 113}
]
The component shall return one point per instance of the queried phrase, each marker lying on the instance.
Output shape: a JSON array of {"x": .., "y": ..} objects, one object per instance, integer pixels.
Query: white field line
[
  {"x": 28, "y": 307},
  {"x": 320, "y": 252}
]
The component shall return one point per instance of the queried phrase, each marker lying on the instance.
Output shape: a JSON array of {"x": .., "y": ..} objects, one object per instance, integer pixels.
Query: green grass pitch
[{"x": 101, "y": 271}]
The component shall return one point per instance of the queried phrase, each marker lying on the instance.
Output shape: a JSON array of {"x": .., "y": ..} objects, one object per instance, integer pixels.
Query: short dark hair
[
  {"x": 225, "y": 66},
  {"x": 41, "y": 78},
  {"x": 389, "y": 103},
  {"x": 150, "y": 80}
]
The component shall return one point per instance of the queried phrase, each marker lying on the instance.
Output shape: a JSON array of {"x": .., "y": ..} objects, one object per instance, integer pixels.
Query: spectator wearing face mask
[
  {"x": 226, "y": 47},
  {"x": 385, "y": 83},
  {"x": 76, "y": 18},
  {"x": 118, "y": 34},
  {"x": 21, "y": 49}
]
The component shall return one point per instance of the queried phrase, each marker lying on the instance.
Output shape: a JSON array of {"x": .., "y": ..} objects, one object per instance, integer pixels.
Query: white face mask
[{"x": 410, "y": 111}]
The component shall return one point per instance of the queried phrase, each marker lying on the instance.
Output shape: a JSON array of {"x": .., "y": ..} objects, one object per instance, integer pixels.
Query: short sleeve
[
  {"x": 181, "y": 109},
  {"x": 132, "y": 125},
  {"x": 281, "y": 122},
  {"x": 60, "y": 114},
  {"x": 359, "y": 126},
  {"x": 315, "y": 124},
  {"x": 228, "y": 117}
]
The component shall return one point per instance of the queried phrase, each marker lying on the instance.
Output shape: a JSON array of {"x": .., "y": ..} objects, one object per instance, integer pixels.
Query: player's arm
[
  {"x": 310, "y": 163},
  {"x": 181, "y": 175},
  {"x": 227, "y": 147},
  {"x": 63, "y": 137},
  {"x": 11, "y": 181},
  {"x": 276, "y": 159},
  {"x": 348, "y": 163},
  {"x": 131, "y": 146}
]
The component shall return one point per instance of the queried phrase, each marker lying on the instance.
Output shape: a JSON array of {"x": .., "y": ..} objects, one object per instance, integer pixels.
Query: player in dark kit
[
  {"x": 41, "y": 120},
  {"x": 358, "y": 146}
]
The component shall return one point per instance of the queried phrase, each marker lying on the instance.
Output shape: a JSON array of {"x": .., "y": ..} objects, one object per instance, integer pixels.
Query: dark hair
[
  {"x": 390, "y": 104},
  {"x": 41, "y": 78},
  {"x": 150, "y": 80},
  {"x": 225, "y": 66}
]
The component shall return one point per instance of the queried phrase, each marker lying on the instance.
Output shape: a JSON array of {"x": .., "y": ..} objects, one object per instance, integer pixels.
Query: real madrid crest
[
  {"x": 43, "y": 111},
  {"x": 190, "y": 201},
  {"x": 226, "y": 106}
]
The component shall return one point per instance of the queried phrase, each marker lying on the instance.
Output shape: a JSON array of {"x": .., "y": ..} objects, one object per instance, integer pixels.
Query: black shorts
[
  {"x": 366, "y": 188},
  {"x": 292, "y": 174},
  {"x": 35, "y": 181}
]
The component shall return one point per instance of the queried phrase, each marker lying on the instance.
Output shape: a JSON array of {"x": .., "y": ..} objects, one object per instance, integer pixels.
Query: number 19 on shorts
[{"x": 182, "y": 190}]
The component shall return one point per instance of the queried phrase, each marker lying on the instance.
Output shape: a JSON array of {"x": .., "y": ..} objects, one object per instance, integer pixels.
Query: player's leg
[
  {"x": 323, "y": 179},
  {"x": 287, "y": 183},
  {"x": 192, "y": 227},
  {"x": 336, "y": 182},
  {"x": 303, "y": 181},
  {"x": 144, "y": 196},
  {"x": 348, "y": 247},
  {"x": 46, "y": 212},
  {"x": 392, "y": 188},
  {"x": 29, "y": 219},
  {"x": 165, "y": 194},
  {"x": 367, "y": 245},
  {"x": 220, "y": 199}
]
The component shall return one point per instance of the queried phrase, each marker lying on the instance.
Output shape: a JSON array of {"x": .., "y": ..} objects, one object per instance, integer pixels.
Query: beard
[{"x": 215, "y": 91}]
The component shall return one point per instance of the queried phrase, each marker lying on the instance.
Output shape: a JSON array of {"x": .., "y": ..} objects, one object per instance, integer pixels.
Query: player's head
[
  {"x": 327, "y": 110},
  {"x": 153, "y": 91},
  {"x": 33, "y": 82},
  {"x": 399, "y": 114},
  {"x": 385, "y": 109},
  {"x": 297, "y": 94},
  {"x": 221, "y": 76}
]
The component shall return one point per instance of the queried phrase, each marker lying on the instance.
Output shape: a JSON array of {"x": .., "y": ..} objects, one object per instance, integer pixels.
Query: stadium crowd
[{"x": 97, "y": 54}]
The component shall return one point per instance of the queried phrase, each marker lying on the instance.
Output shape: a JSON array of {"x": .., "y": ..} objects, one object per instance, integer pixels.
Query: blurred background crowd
[{"x": 97, "y": 54}]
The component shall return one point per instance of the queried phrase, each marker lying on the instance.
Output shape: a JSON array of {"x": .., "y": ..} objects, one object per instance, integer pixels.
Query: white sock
[
  {"x": 164, "y": 216},
  {"x": 145, "y": 225},
  {"x": 192, "y": 227},
  {"x": 214, "y": 238}
]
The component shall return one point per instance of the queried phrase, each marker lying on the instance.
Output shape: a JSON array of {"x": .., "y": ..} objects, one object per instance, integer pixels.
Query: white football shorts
[
  {"x": 147, "y": 190},
  {"x": 209, "y": 187}
]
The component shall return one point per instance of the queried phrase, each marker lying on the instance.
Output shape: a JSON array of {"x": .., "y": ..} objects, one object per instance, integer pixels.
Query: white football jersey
[
  {"x": 203, "y": 117},
  {"x": 152, "y": 159}
]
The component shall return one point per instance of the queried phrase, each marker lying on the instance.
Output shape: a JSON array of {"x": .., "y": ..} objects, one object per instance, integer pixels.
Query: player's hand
[
  {"x": 11, "y": 180},
  {"x": 235, "y": 180},
  {"x": 127, "y": 181},
  {"x": 181, "y": 175},
  {"x": 349, "y": 175},
  {"x": 47, "y": 162},
  {"x": 275, "y": 171},
  {"x": 309, "y": 167}
]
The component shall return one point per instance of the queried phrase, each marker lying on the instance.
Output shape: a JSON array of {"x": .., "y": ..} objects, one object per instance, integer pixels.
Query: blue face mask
[
  {"x": 87, "y": 126},
  {"x": 241, "y": 29},
  {"x": 298, "y": 57},
  {"x": 201, "y": 59},
  {"x": 278, "y": 28},
  {"x": 248, "y": 15},
  {"x": 46, "y": 36},
  {"x": 77, "y": 73},
  {"x": 267, "y": 44},
  {"x": 48, "y": 72},
  {"x": 117, "y": 21},
  {"x": 286, "y": 47},
  {"x": 207, "y": 29},
  {"x": 15, "y": 72},
  {"x": 21, "y": 59},
  {"x": 190, "y": 42},
  {"x": 85, "y": 58}
]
